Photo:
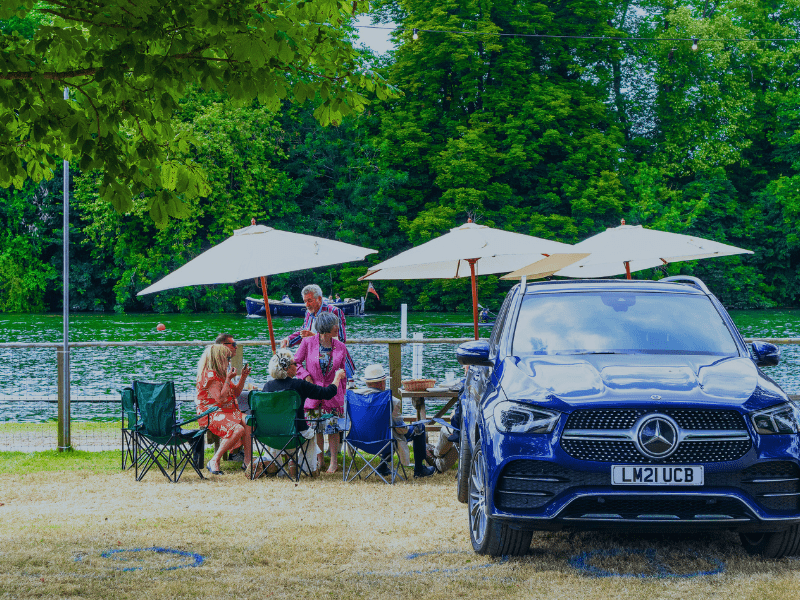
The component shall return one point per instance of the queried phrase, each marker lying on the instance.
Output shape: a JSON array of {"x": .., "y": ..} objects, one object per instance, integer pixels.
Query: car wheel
[
  {"x": 774, "y": 544},
  {"x": 464, "y": 464},
  {"x": 489, "y": 535}
]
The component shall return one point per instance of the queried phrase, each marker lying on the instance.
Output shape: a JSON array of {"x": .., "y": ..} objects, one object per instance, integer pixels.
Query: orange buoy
[{"x": 161, "y": 327}]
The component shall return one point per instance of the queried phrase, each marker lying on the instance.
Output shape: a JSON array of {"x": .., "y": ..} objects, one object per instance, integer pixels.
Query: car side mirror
[
  {"x": 766, "y": 354},
  {"x": 474, "y": 353}
]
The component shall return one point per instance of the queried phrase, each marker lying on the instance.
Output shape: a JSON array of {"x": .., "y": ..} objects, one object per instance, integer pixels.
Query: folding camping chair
[
  {"x": 162, "y": 441},
  {"x": 368, "y": 432},
  {"x": 130, "y": 431},
  {"x": 274, "y": 421}
]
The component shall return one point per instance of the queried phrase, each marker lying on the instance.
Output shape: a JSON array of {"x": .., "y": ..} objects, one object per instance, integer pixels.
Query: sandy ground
[{"x": 92, "y": 535}]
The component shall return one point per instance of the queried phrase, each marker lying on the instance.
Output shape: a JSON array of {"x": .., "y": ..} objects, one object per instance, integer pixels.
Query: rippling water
[{"x": 100, "y": 372}]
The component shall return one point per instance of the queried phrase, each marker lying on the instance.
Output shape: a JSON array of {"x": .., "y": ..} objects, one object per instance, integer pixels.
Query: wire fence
[{"x": 29, "y": 383}]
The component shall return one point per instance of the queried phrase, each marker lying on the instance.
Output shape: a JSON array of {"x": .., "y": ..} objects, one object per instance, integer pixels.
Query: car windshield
[{"x": 621, "y": 323}]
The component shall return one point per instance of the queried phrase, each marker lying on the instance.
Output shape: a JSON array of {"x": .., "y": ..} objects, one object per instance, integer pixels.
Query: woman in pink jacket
[{"x": 318, "y": 358}]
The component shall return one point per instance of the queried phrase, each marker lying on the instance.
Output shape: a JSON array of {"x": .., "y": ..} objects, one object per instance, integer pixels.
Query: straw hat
[{"x": 374, "y": 373}]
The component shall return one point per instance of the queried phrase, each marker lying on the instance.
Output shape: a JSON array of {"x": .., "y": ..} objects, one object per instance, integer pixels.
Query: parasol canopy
[
  {"x": 256, "y": 252},
  {"x": 466, "y": 251},
  {"x": 629, "y": 248}
]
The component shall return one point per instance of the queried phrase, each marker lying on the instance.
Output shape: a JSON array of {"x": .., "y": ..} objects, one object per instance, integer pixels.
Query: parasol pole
[
  {"x": 472, "y": 262},
  {"x": 627, "y": 269},
  {"x": 269, "y": 316}
]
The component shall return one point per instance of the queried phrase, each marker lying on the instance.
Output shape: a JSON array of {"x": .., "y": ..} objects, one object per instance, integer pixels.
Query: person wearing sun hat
[{"x": 375, "y": 380}]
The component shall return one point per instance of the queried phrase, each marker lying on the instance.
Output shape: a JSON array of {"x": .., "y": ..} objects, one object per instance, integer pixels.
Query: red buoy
[{"x": 161, "y": 327}]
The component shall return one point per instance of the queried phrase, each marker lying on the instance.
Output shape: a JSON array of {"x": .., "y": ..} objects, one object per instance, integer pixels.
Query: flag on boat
[{"x": 371, "y": 290}]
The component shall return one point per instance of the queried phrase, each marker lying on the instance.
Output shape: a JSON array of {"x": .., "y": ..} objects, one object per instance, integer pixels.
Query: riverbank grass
[{"x": 73, "y": 526}]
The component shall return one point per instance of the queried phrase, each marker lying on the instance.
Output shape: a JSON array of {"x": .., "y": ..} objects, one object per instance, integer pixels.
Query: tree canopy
[
  {"x": 557, "y": 137},
  {"x": 127, "y": 66}
]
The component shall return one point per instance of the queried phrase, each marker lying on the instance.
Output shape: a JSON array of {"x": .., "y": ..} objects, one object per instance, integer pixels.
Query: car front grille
[
  {"x": 686, "y": 418},
  {"x": 606, "y": 435},
  {"x": 626, "y": 452}
]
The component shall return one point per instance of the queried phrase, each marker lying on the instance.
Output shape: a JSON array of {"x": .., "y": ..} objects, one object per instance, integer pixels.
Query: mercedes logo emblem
[{"x": 657, "y": 436}]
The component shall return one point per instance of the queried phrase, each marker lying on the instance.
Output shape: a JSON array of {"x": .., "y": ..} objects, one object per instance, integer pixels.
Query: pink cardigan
[{"x": 307, "y": 359}]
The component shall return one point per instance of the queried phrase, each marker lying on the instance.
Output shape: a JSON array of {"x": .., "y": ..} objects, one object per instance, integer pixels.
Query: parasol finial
[
  {"x": 253, "y": 221},
  {"x": 621, "y": 222}
]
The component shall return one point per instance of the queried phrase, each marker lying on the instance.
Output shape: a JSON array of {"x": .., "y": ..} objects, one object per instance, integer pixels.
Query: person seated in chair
[
  {"x": 216, "y": 388},
  {"x": 375, "y": 379},
  {"x": 283, "y": 371}
]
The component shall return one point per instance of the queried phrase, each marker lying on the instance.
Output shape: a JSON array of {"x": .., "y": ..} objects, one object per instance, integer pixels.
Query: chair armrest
[
  {"x": 444, "y": 423},
  {"x": 414, "y": 424},
  {"x": 200, "y": 416}
]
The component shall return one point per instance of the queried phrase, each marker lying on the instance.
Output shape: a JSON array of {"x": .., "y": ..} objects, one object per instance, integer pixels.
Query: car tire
[
  {"x": 464, "y": 465},
  {"x": 774, "y": 544},
  {"x": 489, "y": 535}
]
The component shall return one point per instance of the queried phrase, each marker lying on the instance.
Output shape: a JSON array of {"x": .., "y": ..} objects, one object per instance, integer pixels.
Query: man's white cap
[{"x": 374, "y": 373}]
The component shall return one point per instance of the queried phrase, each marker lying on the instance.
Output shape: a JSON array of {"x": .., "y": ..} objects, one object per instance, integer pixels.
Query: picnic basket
[{"x": 418, "y": 385}]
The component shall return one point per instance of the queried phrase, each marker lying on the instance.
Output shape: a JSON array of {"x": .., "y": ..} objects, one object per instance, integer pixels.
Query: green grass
[{"x": 21, "y": 463}]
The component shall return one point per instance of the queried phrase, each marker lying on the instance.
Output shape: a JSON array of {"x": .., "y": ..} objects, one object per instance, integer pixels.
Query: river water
[{"x": 27, "y": 374}]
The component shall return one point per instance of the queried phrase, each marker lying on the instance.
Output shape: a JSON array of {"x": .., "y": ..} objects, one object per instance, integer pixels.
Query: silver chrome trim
[
  {"x": 518, "y": 493},
  {"x": 534, "y": 478},
  {"x": 629, "y": 435},
  {"x": 778, "y": 494},
  {"x": 781, "y": 480},
  {"x": 725, "y": 519}
]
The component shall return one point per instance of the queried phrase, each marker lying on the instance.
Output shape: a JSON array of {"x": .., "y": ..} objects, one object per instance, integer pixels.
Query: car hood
[{"x": 578, "y": 380}]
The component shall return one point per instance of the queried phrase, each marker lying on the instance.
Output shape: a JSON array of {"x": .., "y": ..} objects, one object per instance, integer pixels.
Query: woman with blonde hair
[{"x": 215, "y": 387}]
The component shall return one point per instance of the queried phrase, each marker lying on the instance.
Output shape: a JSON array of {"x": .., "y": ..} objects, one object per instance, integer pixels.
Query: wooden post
[
  {"x": 269, "y": 314},
  {"x": 472, "y": 262},
  {"x": 64, "y": 437},
  {"x": 395, "y": 368}
]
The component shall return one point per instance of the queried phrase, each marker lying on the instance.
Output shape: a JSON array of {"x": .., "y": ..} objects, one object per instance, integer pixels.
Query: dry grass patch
[{"x": 73, "y": 534}]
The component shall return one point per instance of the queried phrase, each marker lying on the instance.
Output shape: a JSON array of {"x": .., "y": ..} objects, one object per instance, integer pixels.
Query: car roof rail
[{"x": 688, "y": 279}]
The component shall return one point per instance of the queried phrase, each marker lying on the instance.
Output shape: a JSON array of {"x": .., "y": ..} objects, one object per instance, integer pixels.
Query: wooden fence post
[
  {"x": 395, "y": 368},
  {"x": 64, "y": 435}
]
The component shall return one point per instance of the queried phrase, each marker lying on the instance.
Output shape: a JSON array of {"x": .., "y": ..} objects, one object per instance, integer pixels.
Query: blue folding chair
[{"x": 368, "y": 433}]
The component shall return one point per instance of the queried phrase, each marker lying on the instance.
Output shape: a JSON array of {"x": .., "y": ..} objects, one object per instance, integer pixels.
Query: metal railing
[{"x": 35, "y": 414}]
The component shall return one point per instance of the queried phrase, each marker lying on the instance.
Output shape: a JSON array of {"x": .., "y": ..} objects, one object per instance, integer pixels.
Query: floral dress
[{"x": 222, "y": 422}]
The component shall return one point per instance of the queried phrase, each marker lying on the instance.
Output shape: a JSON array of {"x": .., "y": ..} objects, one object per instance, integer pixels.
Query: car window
[
  {"x": 621, "y": 322},
  {"x": 497, "y": 330}
]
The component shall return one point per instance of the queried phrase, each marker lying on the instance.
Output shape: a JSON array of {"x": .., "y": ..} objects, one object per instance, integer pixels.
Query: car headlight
[
  {"x": 512, "y": 417},
  {"x": 784, "y": 418}
]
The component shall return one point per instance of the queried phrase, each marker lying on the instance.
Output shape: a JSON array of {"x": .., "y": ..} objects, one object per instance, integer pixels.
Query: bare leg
[
  {"x": 320, "y": 450},
  {"x": 226, "y": 444},
  {"x": 248, "y": 449},
  {"x": 333, "y": 443}
]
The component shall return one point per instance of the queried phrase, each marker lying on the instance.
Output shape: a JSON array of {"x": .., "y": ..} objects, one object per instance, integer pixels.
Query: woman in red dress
[{"x": 216, "y": 388}]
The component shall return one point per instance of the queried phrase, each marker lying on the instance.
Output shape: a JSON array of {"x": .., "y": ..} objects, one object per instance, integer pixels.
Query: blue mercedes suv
[{"x": 626, "y": 405}]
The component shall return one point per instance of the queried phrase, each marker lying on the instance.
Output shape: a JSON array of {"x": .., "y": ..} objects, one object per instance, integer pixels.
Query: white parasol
[
  {"x": 256, "y": 252},
  {"x": 467, "y": 251}
]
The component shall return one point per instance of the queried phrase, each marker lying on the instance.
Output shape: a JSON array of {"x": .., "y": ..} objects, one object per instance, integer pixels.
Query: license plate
[{"x": 656, "y": 475}]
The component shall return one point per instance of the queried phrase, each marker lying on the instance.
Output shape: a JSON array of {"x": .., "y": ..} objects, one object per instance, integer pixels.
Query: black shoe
[
  {"x": 212, "y": 471},
  {"x": 424, "y": 472},
  {"x": 383, "y": 470}
]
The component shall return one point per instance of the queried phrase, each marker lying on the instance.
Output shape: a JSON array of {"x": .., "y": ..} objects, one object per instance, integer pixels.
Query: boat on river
[{"x": 351, "y": 307}]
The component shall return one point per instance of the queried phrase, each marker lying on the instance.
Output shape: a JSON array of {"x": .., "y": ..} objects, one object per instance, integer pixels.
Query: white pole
[
  {"x": 416, "y": 362},
  {"x": 65, "y": 416},
  {"x": 403, "y": 321}
]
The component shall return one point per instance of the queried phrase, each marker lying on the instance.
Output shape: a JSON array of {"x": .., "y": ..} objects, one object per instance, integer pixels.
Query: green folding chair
[
  {"x": 130, "y": 430},
  {"x": 162, "y": 441},
  {"x": 274, "y": 423}
]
